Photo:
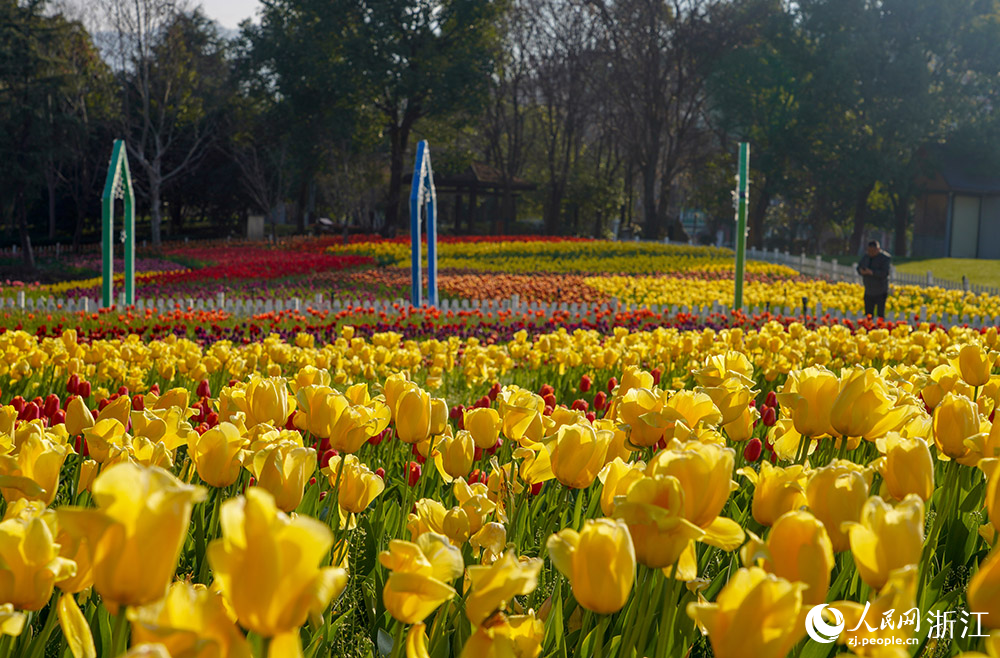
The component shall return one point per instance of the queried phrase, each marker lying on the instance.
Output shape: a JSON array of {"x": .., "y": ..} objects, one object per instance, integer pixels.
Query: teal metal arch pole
[
  {"x": 742, "y": 186},
  {"x": 117, "y": 185}
]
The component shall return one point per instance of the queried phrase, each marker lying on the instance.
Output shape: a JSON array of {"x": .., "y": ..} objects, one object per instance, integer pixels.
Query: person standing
[{"x": 874, "y": 270}]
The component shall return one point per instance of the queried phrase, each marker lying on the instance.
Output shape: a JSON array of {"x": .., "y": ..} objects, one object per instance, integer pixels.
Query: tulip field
[{"x": 433, "y": 484}]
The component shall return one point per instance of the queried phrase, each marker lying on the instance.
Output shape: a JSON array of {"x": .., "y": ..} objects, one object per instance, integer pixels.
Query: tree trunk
[
  {"x": 399, "y": 137},
  {"x": 651, "y": 219},
  {"x": 27, "y": 253},
  {"x": 902, "y": 212},
  {"x": 50, "y": 183},
  {"x": 860, "y": 216},
  {"x": 552, "y": 208},
  {"x": 302, "y": 202},
  {"x": 155, "y": 204},
  {"x": 758, "y": 211}
]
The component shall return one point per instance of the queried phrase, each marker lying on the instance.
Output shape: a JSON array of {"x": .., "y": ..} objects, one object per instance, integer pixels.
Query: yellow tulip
[
  {"x": 653, "y": 509},
  {"x": 493, "y": 587},
  {"x": 974, "y": 364},
  {"x": 634, "y": 377},
  {"x": 137, "y": 532},
  {"x": 907, "y": 467},
  {"x": 265, "y": 400},
  {"x": 956, "y": 421},
  {"x": 718, "y": 367},
  {"x": 521, "y": 412},
  {"x": 30, "y": 564},
  {"x": 119, "y": 409},
  {"x": 357, "y": 424},
  {"x": 648, "y": 418},
  {"x": 836, "y": 494},
  {"x": 167, "y": 426},
  {"x": 283, "y": 469},
  {"x": 191, "y": 621},
  {"x": 88, "y": 471},
  {"x": 756, "y": 614},
  {"x": 428, "y": 516},
  {"x": 576, "y": 454},
  {"x": 359, "y": 486},
  {"x": 76, "y": 542},
  {"x": 413, "y": 415},
  {"x": 517, "y": 636},
  {"x": 618, "y": 477},
  {"x": 887, "y": 538},
  {"x": 776, "y": 490},
  {"x": 454, "y": 454},
  {"x": 895, "y": 599},
  {"x": 484, "y": 425},
  {"x": 862, "y": 401},
  {"x": 741, "y": 428},
  {"x": 474, "y": 501},
  {"x": 318, "y": 408},
  {"x": 705, "y": 472},
  {"x": 175, "y": 397},
  {"x": 268, "y": 566},
  {"x": 420, "y": 575},
  {"x": 33, "y": 472},
  {"x": 942, "y": 380},
  {"x": 218, "y": 454},
  {"x": 105, "y": 439},
  {"x": 696, "y": 408},
  {"x": 599, "y": 562},
  {"x": 798, "y": 549},
  {"x": 983, "y": 593},
  {"x": 808, "y": 397},
  {"x": 309, "y": 375},
  {"x": 78, "y": 417}
]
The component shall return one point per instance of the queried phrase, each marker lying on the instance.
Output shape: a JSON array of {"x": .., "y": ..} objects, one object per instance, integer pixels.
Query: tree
[
  {"x": 417, "y": 59},
  {"x": 172, "y": 69},
  {"x": 37, "y": 72}
]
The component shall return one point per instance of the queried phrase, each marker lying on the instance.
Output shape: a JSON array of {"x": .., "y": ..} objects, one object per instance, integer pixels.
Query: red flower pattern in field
[{"x": 258, "y": 263}]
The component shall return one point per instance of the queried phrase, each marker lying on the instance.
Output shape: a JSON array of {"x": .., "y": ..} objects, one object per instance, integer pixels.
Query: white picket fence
[
  {"x": 397, "y": 307},
  {"x": 815, "y": 266}
]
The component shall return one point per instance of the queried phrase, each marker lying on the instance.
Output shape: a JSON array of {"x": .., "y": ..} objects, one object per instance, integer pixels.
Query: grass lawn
[{"x": 983, "y": 272}]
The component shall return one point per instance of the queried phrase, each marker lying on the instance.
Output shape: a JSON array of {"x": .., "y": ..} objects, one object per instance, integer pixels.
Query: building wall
[
  {"x": 989, "y": 228},
  {"x": 929, "y": 225},
  {"x": 964, "y": 226}
]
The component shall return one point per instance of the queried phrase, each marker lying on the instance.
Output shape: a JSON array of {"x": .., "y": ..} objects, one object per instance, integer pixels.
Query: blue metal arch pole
[{"x": 423, "y": 195}]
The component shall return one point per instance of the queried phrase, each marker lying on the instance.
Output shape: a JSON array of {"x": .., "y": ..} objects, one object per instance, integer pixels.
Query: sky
[{"x": 229, "y": 13}]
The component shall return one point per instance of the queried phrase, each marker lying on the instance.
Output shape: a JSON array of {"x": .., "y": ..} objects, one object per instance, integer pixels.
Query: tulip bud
[
  {"x": 546, "y": 389},
  {"x": 29, "y": 412},
  {"x": 18, "y": 403},
  {"x": 753, "y": 449},
  {"x": 550, "y": 400},
  {"x": 612, "y": 383},
  {"x": 203, "y": 390},
  {"x": 51, "y": 405},
  {"x": 494, "y": 391},
  {"x": 600, "y": 401},
  {"x": 123, "y": 391},
  {"x": 656, "y": 373},
  {"x": 325, "y": 458},
  {"x": 73, "y": 385},
  {"x": 59, "y": 417},
  {"x": 413, "y": 474},
  {"x": 380, "y": 472},
  {"x": 138, "y": 402},
  {"x": 155, "y": 389},
  {"x": 771, "y": 400},
  {"x": 769, "y": 417},
  {"x": 580, "y": 405},
  {"x": 585, "y": 383}
]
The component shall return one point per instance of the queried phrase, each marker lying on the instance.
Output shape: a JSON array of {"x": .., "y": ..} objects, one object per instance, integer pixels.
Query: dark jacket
[{"x": 877, "y": 283}]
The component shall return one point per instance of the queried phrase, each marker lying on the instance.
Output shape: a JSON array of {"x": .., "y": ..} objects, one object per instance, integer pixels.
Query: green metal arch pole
[
  {"x": 118, "y": 184},
  {"x": 742, "y": 187}
]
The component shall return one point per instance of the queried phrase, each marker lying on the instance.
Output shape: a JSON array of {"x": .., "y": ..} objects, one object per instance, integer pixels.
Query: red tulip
[
  {"x": 752, "y": 452},
  {"x": 771, "y": 400},
  {"x": 611, "y": 384},
  {"x": 380, "y": 472},
  {"x": 59, "y": 417},
  {"x": 585, "y": 383},
  {"x": 51, "y": 405},
  {"x": 73, "y": 384},
  {"x": 656, "y": 373},
  {"x": 600, "y": 400},
  {"x": 413, "y": 475},
  {"x": 204, "y": 390},
  {"x": 769, "y": 417},
  {"x": 83, "y": 390}
]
